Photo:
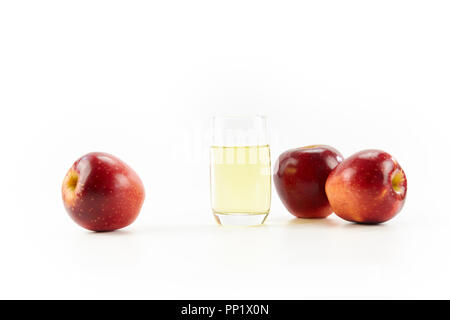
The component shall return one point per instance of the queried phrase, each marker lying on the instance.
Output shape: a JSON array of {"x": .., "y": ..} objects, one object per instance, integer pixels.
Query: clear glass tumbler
[{"x": 240, "y": 170}]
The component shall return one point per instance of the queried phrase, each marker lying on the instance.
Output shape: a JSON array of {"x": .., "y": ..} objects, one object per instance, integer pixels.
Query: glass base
[{"x": 240, "y": 219}]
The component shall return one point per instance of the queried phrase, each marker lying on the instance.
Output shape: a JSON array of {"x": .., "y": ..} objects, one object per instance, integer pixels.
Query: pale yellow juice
[{"x": 240, "y": 180}]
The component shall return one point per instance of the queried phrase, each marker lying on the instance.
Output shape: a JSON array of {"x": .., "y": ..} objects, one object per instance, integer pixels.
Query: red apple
[
  {"x": 102, "y": 193},
  {"x": 368, "y": 187},
  {"x": 300, "y": 175}
]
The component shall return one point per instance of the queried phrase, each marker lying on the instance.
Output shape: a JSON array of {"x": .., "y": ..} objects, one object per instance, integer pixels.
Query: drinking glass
[{"x": 240, "y": 170}]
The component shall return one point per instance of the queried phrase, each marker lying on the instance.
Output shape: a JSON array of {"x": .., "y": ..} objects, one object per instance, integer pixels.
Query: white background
[{"x": 140, "y": 79}]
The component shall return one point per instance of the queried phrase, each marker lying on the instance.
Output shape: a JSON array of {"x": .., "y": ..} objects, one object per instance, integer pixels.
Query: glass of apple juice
[{"x": 240, "y": 170}]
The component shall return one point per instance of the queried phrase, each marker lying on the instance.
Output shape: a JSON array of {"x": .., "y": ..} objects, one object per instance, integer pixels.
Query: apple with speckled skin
[
  {"x": 299, "y": 177},
  {"x": 368, "y": 187},
  {"x": 102, "y": 193}
]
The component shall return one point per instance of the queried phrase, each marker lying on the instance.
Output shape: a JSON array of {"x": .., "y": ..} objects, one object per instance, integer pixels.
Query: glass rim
[{"x": 238, "y": 116}]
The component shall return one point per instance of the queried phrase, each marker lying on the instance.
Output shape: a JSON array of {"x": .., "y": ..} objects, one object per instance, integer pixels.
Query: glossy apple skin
[
  {"x": 361, "y": 188},
  {"x": 108, "y": 194},
  {"x": 299, "y": 177}
]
